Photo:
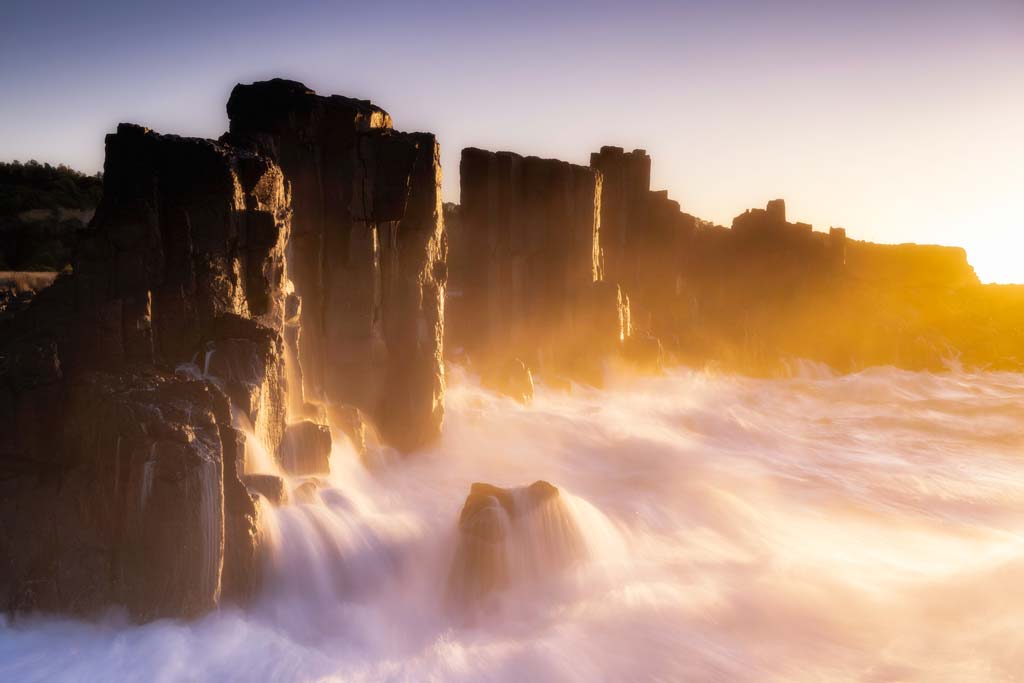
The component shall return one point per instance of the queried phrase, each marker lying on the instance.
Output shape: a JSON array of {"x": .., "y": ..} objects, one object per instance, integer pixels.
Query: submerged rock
[
  {"x": 512, "y": 379},
  {"x": 308, "y": 491},
  {"x": 270, "y": 486},
  {"x": 508, "y": 536}
]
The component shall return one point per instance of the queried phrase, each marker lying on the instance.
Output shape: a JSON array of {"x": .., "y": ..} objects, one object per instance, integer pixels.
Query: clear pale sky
[{"x": 902, "y": 121}]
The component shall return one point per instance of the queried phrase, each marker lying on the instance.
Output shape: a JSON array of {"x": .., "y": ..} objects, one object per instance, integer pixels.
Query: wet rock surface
[
  {"x": 270, "y": 486},
  {"x": 306, "y": 448},
  {"x": 769, "y": 290},
  {"x": 367, "y": 253},
  {"x": 511, "y": 536}
]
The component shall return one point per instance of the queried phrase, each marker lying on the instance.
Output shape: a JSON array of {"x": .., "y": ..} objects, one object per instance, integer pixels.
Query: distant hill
[{"x": 42, "y": 210}]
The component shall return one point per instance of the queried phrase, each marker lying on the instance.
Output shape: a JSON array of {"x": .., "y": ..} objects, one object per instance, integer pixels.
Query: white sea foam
[{"x": 818, "y": 528}]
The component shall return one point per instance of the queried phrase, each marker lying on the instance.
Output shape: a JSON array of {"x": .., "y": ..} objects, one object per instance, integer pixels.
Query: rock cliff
[
  {"x": 530, "y": 269},
  {"x": 121, "y": 477},
  {"x": 770, "y": 290},
  {"x": 367, "y": 252}
]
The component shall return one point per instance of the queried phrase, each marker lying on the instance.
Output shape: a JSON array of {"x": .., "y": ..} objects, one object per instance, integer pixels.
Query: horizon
[{"x": 752, "y": 103}]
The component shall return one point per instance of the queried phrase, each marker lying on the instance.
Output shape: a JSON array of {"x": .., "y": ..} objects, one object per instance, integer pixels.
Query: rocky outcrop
[
  {"x": 770, "y": 289},
  {"x": 241, "y": 574},
  {"x": 510, "y": 536},
  {"x": 121, "y": 479},
  {"x": 247, "y": 360},
  {"x": 367, "y": 252},
  {"x": 306, "y": 448},
  {"x": 643, "y": 237},
  {"x": 530, "y": 258},
  {"x": 908, "y": 265},
  {"x": 625, "y": 189},
  {"x": 128, "y": 507},
  {"x": 270, "y": 486},
  {"x": 352, "y": 423}
]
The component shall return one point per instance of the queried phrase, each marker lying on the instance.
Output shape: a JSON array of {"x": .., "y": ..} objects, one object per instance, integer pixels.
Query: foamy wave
[{"x": 818, "y": 527}]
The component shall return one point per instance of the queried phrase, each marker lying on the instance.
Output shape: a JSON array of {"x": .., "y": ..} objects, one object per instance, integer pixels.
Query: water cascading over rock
[
  {"x": 509, "y": 536},
  {"x": 367, "y": 253}
]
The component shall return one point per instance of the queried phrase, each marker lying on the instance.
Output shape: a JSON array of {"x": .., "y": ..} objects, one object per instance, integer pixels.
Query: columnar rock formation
[
  {"x": 624, "y": 196},
  {"x": 644, "y": 237},
  {"x": 295, "y": 272},
  {"x": 531, "y": 276},
  {"x": 189, "y": 311},
  {"x": 120, "y": 477},
  {"x": 367, "y": 252},
  {"x": 770, "y": 289},
  {"x": 749, "y": 297}
]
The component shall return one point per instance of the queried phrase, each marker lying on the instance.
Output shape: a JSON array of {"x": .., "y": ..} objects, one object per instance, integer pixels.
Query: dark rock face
[
  {"x": 127, "y": 508},
  {"x": 459, "y": 323},
  {"x": 240, "y": 577},
  {"x": 195, "y": 233},
  {"x": 511, "y": 536},
  {"x": 248, "y": 359},
  {"x": 643, "y": 237},
  {"x": 367, "y": 253},
  {"x": 530, "y": 254},
  {"x": 625, "y": 188},
  {"x": 121, "y": 480},
  {"x": 270, "y": 486},
  {"x": 306, "y": 448}
]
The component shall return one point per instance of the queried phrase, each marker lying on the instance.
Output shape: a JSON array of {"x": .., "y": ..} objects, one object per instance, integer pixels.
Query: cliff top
[{"x": 270, "y": 104}]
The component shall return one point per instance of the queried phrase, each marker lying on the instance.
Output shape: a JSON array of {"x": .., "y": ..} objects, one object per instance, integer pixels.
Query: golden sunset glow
[{"x": 470, "y": 341}]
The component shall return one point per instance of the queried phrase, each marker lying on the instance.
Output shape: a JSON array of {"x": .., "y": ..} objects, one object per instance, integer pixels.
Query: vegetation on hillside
[{"x": 42, "y": 210}]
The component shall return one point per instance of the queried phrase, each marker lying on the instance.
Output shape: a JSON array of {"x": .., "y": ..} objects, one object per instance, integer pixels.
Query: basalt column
[
  {"x": 644, "y": 236},
  {"x": 532, "y": 266},
  {"x": 119, "y": 470},
  {"x": 627, "y": 183},
  {"x": 367, "y": 256}
]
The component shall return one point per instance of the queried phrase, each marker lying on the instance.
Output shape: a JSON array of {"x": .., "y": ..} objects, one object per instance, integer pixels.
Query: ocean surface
[{"x": 867, "y": 527}]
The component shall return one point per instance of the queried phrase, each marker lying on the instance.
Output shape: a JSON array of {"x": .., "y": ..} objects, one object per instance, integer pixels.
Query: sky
[{"x": 901, "y": 120}]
